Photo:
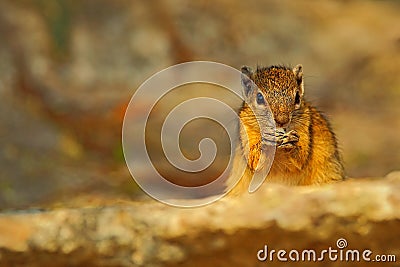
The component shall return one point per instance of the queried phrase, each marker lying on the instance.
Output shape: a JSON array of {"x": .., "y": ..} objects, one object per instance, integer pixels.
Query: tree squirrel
[{"x": 306, "y": 147}]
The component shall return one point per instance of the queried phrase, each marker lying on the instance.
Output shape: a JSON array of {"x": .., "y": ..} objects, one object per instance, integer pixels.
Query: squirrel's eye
[
  {"x": 297, "y": 99},
  {"x": 260, "y": 99}
]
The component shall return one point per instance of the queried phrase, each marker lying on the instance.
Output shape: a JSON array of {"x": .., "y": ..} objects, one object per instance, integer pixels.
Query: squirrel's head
[{"x": 281, "y": 87}]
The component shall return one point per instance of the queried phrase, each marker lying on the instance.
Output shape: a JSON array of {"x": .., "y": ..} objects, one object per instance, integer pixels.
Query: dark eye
[
  {"x": 260, "y": 99},
  {"x": 297, "y": 99}
]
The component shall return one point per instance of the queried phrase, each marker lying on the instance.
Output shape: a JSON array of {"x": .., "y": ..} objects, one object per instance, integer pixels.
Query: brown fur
[{"x": 313, "y": 159}]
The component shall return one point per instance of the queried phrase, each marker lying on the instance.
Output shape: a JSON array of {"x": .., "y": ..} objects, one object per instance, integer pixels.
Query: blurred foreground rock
[{"x": 227, "y": 233}]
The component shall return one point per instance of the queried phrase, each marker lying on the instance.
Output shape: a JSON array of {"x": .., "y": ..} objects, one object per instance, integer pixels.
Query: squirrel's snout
[{"x": 282, "y": 120}]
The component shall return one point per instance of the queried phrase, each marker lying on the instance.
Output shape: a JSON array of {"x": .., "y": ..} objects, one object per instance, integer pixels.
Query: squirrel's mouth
[{"x": 274, "y": 137}]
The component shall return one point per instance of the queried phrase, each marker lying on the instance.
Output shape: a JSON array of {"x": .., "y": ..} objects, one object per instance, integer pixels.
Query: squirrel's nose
[
  {"x": 278, "y": 125},
  {"x": 282, "y": 120}
]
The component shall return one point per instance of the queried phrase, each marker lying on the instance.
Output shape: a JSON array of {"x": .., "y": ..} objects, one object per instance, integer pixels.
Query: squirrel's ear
[
  {"x": 298, "y": 73},
  {"x": 247, "y": 76}
]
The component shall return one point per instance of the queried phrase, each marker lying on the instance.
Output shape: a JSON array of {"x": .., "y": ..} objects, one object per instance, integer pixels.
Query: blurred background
[{"x": 68, "y": 69}]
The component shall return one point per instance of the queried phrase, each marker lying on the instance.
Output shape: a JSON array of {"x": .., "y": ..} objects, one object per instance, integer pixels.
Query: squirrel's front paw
[
  {"x": 288, "y": 140},
  {"x": 287, "y": 147}
]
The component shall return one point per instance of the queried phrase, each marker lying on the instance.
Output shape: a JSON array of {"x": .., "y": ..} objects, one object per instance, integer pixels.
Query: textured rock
[
  {"x": 69, "y": 67},
  {"x": 227, "y": 233}
]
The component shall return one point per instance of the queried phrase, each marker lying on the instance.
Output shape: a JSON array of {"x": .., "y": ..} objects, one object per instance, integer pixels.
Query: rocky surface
[{"x": 227, "y": 233}]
